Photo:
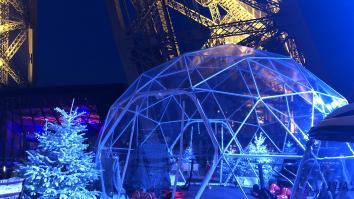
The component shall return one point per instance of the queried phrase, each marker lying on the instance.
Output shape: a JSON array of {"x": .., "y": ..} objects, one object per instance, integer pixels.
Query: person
[
  {"x": 261, "y": 193},
  {"x": 255, "y": 190}
]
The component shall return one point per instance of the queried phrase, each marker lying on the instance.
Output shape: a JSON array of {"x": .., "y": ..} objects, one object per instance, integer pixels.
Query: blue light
[{"x": 215, "y": 101}]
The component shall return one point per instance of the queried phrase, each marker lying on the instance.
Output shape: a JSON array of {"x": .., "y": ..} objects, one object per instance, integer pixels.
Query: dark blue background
[
  {"x": 326, "y": 36},
  {"x": 76, "y": 45}
]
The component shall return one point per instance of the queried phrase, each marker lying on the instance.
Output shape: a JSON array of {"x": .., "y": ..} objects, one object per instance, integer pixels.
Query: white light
[{"x": 318, "y": 100}]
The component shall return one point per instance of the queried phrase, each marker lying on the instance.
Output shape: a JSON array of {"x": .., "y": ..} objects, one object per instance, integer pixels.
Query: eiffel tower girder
[
  {"x": 14, "y": 35},
  {"x": 245, "y": 22}
]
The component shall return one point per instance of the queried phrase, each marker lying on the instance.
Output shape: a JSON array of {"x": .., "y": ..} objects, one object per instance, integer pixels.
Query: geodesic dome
[{"x": 209, "y": 118}]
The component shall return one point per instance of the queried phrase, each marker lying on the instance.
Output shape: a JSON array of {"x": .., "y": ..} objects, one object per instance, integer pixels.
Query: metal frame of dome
[
  {"x": 331, "y": 143},
  {"x": 230, "y": 94}
]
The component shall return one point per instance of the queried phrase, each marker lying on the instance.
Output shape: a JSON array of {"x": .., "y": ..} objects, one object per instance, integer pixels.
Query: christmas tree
[
  {"x": 60, "y": 167},
  {"x": 241, "y": 167},
  {"x": 289, "y": 148},
  {"x": 188, "y": 155},
  {"x": 259, "y": 148}
]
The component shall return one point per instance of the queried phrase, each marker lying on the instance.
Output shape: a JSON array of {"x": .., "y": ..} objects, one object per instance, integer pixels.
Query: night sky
[
  {"x": 325, "y": 33},
  {"x": 75, "y": 43}
]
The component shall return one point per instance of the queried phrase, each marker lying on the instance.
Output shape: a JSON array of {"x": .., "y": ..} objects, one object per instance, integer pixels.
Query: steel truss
[
  {"x": 246, "y": 22},
  {"x": 252, "y": 26},
  {"x": 266, "y": 6},
  {"x": 13, "y": 35}
]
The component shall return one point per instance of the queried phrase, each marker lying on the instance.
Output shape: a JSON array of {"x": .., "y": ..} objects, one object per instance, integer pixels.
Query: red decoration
[
  {"x": 274, "y": 188},
  {"x": 178, "y": 194},
  {"x": 284, "y": 193}
]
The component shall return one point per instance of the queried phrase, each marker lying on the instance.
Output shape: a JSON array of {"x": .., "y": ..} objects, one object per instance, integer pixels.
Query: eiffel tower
[{"x": 15, "y": 43}]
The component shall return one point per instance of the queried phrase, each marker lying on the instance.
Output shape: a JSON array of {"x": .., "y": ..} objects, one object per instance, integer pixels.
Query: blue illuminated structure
[
  {"x": 326, "y": 170},
  {"x": 210, "y": 103}
]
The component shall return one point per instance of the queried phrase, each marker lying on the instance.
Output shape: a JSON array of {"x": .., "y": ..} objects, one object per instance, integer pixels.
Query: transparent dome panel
[
  {"x": 326, "y": 171},
  {"x": 211, "y": 122}
]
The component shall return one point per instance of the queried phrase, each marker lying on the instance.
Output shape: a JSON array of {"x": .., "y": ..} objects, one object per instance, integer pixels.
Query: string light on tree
[
  {"x": 258, "y": 147},
  {"x": 60, "y": 167}
]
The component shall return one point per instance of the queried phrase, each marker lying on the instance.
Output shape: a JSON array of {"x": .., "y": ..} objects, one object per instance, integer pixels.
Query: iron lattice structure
[
  {"x": 14, "y": 35},
  {"x": 211, "y": 103},
  {"x": 151, "y": 27}
]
